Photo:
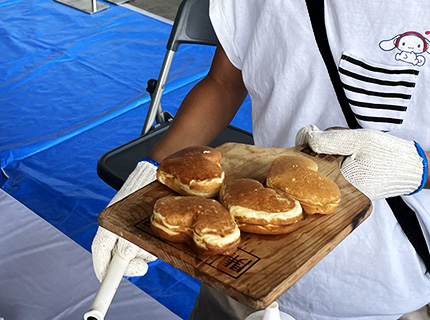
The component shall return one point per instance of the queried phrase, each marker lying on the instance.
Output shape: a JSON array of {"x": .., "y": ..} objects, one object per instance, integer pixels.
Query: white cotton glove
[
  {"x": 106, "y": 243},
  {"x": 378, "y": 164}
]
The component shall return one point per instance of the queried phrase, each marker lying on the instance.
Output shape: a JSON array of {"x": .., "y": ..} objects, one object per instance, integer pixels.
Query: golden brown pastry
[
  {"x": 316, "y": 192},
  {"x": 193, "y": 171},
  {"x": 257, "y": 209},
  {"x": 284, "y": 163},
  {"x": 201, "y": 222}
]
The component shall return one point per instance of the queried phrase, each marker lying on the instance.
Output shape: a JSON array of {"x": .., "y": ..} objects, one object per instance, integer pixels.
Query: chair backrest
[{"x": 192, "y": 25}]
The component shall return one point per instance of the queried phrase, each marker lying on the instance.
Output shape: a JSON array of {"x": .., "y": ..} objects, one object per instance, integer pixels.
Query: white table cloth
[{"x": 44, "y": 275}]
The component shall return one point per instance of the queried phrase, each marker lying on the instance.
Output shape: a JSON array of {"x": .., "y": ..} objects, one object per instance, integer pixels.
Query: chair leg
[{"x": 155, "y": 107}]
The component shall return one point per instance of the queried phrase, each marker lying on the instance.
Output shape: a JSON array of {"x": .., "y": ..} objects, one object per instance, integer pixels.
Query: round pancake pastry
[
  {"x": 316, "y": 192},
  {"x": 203, "y": 223},
  {"x": 193, "y": 171},
  {"x": 257, "y": 209},
  {"x": 284, "y": 163}
]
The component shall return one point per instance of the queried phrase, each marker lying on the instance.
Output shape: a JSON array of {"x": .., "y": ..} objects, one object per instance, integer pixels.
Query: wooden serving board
[{"x": 264, "y": 266}]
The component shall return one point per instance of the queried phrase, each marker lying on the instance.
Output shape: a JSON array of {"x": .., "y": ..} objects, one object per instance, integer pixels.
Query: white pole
[
  {"x": 107, "y": 289},
  {"x": 94, "y": 5}
]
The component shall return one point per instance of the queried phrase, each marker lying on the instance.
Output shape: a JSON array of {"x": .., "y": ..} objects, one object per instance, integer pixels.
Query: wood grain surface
[{"x": 264, "y": 266}]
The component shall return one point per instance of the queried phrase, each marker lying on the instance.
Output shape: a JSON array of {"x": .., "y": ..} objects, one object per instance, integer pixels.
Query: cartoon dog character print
[{"x": 411, "y": 45}]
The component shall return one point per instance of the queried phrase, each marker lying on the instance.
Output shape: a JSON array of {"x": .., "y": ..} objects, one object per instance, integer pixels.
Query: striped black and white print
[{"x": 378, "y": 95}]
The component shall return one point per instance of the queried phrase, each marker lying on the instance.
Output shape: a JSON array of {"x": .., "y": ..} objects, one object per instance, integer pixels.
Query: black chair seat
[{"x": 115, "y": 166}]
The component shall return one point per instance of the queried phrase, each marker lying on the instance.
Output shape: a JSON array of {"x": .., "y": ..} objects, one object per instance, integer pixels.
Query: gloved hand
[
  {"x": 378, "y": 164},
  {"x": 106, "y": 243}
]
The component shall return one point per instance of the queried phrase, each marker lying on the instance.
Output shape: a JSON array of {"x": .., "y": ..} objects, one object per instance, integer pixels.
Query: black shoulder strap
[
  {"x": 316, "y": 13},
  {"x": 408, "y": 220},
  {"x": 406, "y": 217}
]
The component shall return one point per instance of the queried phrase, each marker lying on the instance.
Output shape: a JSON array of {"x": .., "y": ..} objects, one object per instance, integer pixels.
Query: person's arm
[
  {"x": 206, "y": 110},
  {"x": 204, "y": 113}
]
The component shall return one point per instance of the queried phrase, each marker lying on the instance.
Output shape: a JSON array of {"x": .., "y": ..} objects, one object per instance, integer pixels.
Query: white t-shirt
[{"x": 374, "y": 273}]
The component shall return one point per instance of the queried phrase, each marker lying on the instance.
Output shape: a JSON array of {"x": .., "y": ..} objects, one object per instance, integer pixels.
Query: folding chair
[{"x": 192, "y": 25}]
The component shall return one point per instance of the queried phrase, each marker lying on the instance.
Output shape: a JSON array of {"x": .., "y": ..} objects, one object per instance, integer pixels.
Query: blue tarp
[
  {"x": 61, "y": 185},
  {"x": 72, "y": 86}
]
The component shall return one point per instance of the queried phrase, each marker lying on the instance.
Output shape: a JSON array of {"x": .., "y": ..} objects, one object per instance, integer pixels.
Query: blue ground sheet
[{"x": 72, "y": 86}]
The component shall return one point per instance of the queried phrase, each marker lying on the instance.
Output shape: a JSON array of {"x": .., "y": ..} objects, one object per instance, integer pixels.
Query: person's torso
[
  {"x": 381, "y": 49},
  {"x": 274, "y": 46}
]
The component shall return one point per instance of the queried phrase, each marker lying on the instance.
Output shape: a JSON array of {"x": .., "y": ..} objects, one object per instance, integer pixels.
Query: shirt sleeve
[{"x": 222, "y": 15}]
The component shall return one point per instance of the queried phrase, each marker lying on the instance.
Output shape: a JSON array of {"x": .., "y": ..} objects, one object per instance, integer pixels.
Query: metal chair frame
[{"x": 192, "y": 25}]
